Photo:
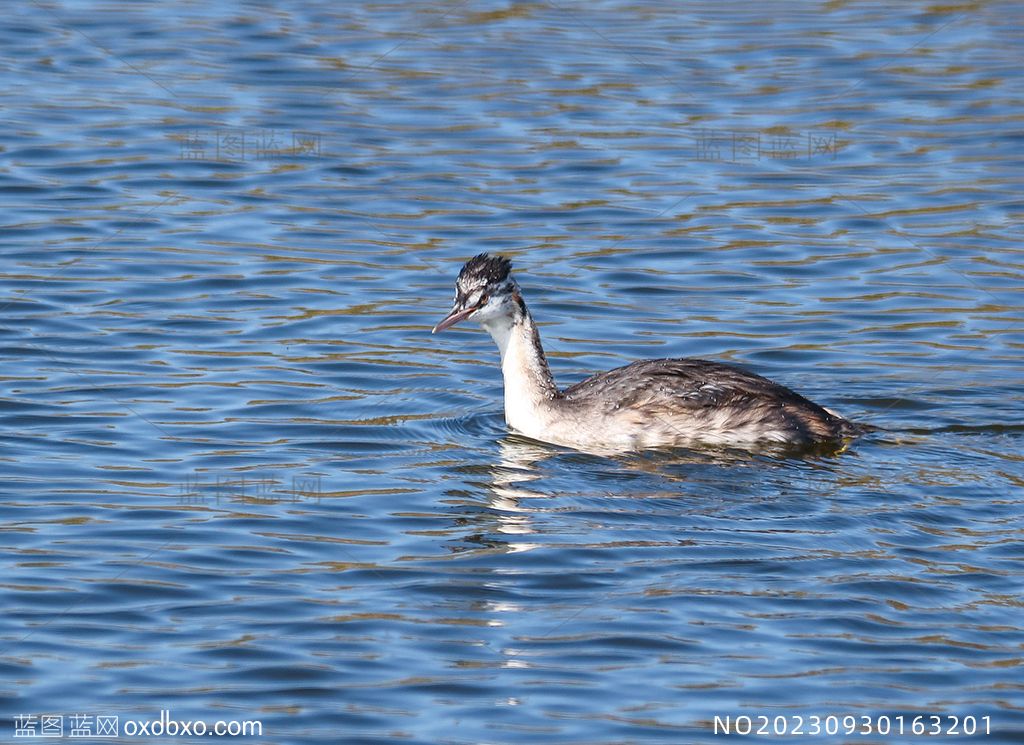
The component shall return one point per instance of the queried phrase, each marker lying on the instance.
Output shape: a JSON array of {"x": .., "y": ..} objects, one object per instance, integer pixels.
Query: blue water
[{"x": 243, "y": 481}]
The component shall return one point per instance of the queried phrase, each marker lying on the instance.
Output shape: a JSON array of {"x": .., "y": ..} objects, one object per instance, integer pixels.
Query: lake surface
[{"x": 242, "y": 481}]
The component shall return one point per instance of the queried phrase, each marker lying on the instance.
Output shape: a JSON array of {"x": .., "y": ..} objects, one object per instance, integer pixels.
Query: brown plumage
[{"x": 700, "y": 395}]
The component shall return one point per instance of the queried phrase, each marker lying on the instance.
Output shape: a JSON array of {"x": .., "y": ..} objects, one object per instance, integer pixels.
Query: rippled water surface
[{"x": 243, "y": 481}]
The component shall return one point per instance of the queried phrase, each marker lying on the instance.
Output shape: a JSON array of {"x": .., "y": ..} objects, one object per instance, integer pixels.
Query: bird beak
[{"x": 454, "y": 317}]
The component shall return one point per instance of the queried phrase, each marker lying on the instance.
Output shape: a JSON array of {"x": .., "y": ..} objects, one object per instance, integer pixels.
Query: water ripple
[{"x": 244, "y": 481}]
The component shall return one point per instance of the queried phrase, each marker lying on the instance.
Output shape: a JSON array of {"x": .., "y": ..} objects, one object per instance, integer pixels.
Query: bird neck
[{"x": 528, "y": 380}]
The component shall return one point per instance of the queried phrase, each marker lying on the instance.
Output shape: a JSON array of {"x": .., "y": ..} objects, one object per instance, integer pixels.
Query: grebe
[{"x": 647, "y": 404}]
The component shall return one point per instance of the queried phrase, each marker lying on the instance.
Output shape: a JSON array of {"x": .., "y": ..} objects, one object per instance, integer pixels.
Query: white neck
[{"x": 529, "y": 386}]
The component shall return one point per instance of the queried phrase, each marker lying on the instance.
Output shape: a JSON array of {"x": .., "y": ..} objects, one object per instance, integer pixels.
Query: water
[{"x": 243, "y": 482}]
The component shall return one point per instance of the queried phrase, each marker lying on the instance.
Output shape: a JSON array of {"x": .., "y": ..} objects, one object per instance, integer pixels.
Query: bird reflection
[
  {"x": 524, "y": 487},
  {"x": 510, "y": 496}
]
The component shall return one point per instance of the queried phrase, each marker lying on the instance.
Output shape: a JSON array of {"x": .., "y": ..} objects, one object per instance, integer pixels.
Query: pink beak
[{"x": 453, "y": 318}]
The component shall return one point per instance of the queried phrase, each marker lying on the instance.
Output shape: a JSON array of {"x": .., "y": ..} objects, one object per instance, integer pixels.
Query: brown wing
[{"x": 701, "y": 389}]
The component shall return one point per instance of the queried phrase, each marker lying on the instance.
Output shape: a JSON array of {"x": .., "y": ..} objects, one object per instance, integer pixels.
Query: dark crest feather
[{"x": 485, "y": 269}]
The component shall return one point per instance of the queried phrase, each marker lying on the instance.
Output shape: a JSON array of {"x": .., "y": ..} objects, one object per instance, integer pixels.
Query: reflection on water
[{"x": 242, "y": 480}]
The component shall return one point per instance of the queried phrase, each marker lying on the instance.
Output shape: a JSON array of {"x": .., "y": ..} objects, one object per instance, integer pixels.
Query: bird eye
[{"x": 483, "y": 299}]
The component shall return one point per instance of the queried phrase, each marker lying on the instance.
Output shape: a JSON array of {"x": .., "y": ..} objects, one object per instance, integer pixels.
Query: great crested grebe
[{"x": 647, "y": 404}]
